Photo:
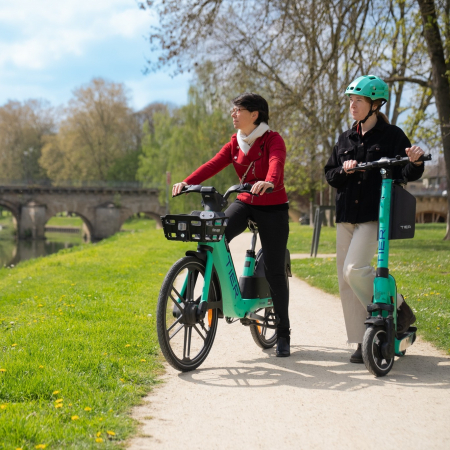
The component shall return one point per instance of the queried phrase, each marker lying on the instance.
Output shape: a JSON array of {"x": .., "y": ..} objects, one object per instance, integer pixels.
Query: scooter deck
[{"x": 404, "y": 341}]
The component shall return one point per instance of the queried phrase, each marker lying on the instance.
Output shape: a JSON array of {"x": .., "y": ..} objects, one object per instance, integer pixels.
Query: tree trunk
[{"x": 440, "y": 82}]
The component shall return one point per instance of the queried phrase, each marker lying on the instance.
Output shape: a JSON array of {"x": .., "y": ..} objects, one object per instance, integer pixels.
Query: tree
[
  {"x": 438, "y": 50},
  {"x": 181, "y": 141},
  {"x": 99, "y": 136},
  {"x": 23, "y": 129},
  {"x": 299, "y": 55}
]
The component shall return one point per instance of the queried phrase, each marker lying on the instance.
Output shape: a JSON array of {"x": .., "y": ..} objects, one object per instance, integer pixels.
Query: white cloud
[{"x": 48, "y": 30}]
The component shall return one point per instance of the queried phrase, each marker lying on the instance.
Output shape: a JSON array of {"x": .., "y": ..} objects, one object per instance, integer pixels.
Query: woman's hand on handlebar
[
  {"x": 348, "y": 165},
  {"x": 414, "y": 153},
  {"x": 260, "y": 187},
  {"x": 177, "y": 188}
]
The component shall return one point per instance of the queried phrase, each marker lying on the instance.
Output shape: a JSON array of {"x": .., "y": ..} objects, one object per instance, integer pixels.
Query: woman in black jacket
[{"x": 358, "y": 197}]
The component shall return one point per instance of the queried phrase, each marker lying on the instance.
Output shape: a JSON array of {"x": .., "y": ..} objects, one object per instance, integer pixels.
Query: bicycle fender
[{"x": 199, "y": 255}]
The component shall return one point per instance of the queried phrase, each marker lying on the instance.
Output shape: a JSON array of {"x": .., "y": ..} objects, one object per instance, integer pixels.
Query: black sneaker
[
  {"x": 283, "y": 347},
  {"x": 405, "y": 318},
  {"x": 357, "y": 356}
]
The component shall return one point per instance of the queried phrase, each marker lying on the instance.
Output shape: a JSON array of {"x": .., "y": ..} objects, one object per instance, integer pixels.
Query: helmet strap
[{"x": 372, "y": 111}]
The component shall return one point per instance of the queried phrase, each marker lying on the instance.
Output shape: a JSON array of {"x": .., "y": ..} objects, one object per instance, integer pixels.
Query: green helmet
[{"x": 369, "y": 86}]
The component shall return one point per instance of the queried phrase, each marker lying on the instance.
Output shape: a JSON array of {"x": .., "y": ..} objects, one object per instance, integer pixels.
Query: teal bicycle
[
  {"x": 202, "y": 287},
  {"x": 397, "y": 216}
]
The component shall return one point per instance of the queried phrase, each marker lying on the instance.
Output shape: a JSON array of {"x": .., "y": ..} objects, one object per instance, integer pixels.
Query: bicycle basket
[{"x": 191, "y": 228}]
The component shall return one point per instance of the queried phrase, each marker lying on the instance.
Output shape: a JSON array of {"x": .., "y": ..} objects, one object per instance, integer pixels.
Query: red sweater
[{"x": 268, "y": 153}]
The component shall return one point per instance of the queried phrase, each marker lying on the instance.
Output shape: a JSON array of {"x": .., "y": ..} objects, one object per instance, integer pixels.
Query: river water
[{"x": 13, "y": 251}]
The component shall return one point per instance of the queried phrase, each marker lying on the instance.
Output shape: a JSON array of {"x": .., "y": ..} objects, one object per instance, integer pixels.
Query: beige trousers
[{"x": 356, "y": 244}]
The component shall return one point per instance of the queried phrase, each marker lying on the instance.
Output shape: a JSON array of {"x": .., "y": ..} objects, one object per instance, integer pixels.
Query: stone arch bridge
[{"x": 103, "y": 210}]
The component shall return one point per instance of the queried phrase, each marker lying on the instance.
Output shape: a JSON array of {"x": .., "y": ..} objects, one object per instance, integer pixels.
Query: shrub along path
[{"x": 243, "y": 397}]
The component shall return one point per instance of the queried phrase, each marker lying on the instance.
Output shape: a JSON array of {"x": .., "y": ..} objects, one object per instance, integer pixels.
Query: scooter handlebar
[{"x": 387, "y": 162}]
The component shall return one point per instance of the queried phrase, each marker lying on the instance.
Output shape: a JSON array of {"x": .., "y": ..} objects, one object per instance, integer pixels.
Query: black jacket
[{"x": 358, "y": 194}]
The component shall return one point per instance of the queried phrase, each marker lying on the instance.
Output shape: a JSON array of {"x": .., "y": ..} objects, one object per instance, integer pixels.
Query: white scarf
[{"x": 245, "y": 142}]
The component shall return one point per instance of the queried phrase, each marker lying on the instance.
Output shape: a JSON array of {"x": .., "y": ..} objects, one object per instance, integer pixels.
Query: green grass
[
  {"x": 300, "y": 237},
  {"x": 421, "y": 267},
  {"x": 64, "y": 221},
  {"x": 77, "y": 329}
]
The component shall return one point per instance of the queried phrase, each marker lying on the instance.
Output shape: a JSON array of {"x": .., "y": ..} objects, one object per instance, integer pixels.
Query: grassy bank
[
  {"x": 78, "y": 343},
  {"x": 421, "y": 267}
]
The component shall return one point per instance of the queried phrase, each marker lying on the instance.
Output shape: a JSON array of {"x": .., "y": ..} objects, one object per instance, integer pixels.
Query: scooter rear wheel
[{"x": 376, "y": 364}]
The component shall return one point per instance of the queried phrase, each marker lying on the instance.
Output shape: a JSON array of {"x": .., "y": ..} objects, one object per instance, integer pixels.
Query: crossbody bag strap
[
  {"x": 246, "y": 172},
  {"x": 262, "y": 146}
]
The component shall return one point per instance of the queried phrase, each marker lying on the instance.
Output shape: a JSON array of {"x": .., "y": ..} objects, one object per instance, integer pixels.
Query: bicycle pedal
[{"x": 247, "y": 322}]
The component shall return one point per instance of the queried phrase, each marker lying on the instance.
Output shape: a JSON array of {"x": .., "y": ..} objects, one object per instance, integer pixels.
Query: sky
[{"x": 50, "y": 47}]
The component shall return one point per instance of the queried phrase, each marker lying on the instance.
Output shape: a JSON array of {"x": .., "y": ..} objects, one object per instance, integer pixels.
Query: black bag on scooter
[{"x": 403, "y": 214}]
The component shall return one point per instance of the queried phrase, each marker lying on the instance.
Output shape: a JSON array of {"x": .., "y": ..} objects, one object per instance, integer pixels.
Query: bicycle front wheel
[{"x": 185, "y": 339}]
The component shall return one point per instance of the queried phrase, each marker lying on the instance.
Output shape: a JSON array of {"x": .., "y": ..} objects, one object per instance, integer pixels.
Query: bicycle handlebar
[
  {"x": 239, "y": 188},
  {"x": 387, "y": 162}
]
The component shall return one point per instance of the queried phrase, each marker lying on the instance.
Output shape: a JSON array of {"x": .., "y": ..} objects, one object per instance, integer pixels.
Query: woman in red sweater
[{"x": 258, "y": 156}]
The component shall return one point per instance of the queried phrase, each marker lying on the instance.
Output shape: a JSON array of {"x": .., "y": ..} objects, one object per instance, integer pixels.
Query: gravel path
[{"x": 244, "y": 397}]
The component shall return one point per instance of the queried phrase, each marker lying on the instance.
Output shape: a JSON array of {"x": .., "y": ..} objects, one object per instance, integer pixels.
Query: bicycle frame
[{"x": 218, "y": 258}]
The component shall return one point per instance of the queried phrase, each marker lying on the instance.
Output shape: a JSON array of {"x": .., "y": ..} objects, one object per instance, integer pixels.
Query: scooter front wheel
[
  {"x": 185, "y": 338},
  {"x": 376, "y": 363}
]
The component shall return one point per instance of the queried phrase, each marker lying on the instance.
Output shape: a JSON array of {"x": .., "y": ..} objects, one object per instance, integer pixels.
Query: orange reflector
[
  {"x": 259, "y": 328},
  {"x": 210, "y": 315}
]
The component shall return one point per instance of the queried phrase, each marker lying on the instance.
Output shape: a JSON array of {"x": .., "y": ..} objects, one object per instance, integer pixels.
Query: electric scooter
[{"x": 397, "y": 213}]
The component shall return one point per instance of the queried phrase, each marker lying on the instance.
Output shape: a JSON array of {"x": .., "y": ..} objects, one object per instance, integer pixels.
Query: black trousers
[{"x": 273, "y": 226}]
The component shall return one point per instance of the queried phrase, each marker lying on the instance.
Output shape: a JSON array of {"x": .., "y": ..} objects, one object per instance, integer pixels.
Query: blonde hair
[{"x": 378, "y": 102}]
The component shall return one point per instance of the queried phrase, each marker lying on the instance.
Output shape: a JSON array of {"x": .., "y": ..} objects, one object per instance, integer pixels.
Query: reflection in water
[{"x": 13, "y": 251}]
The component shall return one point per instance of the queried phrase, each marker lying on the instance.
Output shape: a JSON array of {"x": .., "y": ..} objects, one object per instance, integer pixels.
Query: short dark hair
[{"x": 253, "y": 102}]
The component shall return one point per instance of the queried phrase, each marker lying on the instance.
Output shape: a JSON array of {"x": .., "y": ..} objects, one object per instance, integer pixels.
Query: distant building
[{"x": 431, "y": 192}]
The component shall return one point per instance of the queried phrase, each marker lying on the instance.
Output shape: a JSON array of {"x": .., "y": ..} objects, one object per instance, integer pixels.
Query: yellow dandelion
[
  {"x": 40, "y": 446},
  {"x": 13, "y": 345},
  {"x": 74, "y": 417},
  {"x": 40, "y": 306},
  {"x": 105, "y": 354},
  {"x": 55, "y": 392},
  {"x": 98, "y": 440},
  {"x": 128, "y": 345},
  {"x": 70, "y": 404},
  {"x": 41, "y": 367},
  {"x": 2, "y": 406},
  {"x": 437, "y": 328},
  {"x": 59, "y": 405},
  {"x": 19, "y": 448},
  {"x": 142, "y": 360},
  {"x": 99, "y": 433},
  {"x": 111, "y": 433},
  {"x": 2, "y": 370},
  {"x": 122, "y": 380},
  {"x": 59, "y": 400},
  {"x": 101, "y": 418},
  {"x": 87, "y": 408}
]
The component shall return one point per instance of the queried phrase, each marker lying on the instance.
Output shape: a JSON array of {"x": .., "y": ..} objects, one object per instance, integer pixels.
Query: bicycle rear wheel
[
  {"x": 264, "y": 337},
  {"x": 185, "y": 339}
]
